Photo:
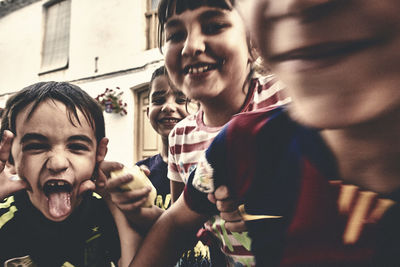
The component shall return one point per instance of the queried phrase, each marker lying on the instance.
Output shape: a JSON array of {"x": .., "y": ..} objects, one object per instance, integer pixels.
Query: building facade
[{"x": 95, "y": 44}]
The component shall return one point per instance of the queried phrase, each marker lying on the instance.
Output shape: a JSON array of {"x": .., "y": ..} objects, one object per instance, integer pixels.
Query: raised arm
[{"x": 176, "y": 189}]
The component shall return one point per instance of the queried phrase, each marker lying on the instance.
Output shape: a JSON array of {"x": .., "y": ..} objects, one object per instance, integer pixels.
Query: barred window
[
  {"x": 152, "y": 23},
  {"x": 55, "y": 52}
]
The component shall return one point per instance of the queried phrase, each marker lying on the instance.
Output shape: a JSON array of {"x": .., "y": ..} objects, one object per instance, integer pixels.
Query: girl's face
[
  {"x": 206, "y": 52},
  {"x": 340, "y": 59},
  {"x": 167, "y": 106}
]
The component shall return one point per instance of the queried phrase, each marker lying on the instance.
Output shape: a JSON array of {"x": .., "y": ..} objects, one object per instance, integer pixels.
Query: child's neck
[
  {"x": 164, "y": 149},
  {"x": 368, "y": 155},
  {"x": 217, "y": 112}
]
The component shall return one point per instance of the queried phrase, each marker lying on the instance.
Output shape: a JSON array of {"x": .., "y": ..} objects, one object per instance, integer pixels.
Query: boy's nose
[
  {"x": 168, "y": 107},
  {"x": 57, "y": 162},
  {"x": 194, "y": 44}
]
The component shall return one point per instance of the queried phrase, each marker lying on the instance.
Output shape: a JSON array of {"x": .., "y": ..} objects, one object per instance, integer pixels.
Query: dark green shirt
[{"x": 88, "y": 237}]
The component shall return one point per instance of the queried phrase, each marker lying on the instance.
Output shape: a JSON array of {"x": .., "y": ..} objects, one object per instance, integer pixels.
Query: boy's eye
[
  {"x": 77, "y": 147},
  {"x": 158, "y": 100},
  {"x": 180, "y": 101},
  {"x": 35, "y": 147}
]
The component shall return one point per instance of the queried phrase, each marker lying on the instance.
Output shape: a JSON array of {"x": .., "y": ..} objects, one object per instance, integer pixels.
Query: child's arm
[
  {"x": 7, "y": 185},
  {"x": 129, "y": 238},
  {"x": 173, "y": 233},
  {"x": 129, "y": 202}
]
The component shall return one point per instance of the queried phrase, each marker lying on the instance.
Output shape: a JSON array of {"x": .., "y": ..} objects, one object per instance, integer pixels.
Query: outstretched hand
[
  {"x": 228, "y": 208},
  {"x": 9, "y": 182},
  {"x": 129, "y": 202}
]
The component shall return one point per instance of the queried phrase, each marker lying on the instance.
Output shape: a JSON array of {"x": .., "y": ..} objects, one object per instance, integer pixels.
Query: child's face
[
  {"x": 54, "y": 157},
  {"x": 340, "y": 59},
  {"x": 206, "y": 52},
  {"x": 166, "y": 106}
]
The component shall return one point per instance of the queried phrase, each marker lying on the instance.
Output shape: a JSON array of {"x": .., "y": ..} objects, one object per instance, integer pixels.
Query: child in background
[
  {"x": 53, "y": 138},
  {"x": 320, "y": 178},
  {"x": 168, "y": 106}
]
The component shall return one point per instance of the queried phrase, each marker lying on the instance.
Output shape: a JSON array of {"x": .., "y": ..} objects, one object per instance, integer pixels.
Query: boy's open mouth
[{"x": 58, "y": 193}]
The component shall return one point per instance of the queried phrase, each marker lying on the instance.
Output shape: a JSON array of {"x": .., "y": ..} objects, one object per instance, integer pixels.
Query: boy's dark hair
[
  {"x": 72, "y": 96},
  {"x": 161, "y": 71},
  {"x": 167, "y": 8}
]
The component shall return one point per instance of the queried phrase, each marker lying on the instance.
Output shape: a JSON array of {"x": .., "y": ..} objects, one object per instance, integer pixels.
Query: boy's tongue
[{"x": 59, "y": 203}]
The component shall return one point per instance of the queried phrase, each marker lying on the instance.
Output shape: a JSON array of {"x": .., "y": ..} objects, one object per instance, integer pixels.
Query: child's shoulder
[
  {"x": 252, "y": 120},
  {"x": 7, "y": 210},
  {"x": 190, "y": 124}
]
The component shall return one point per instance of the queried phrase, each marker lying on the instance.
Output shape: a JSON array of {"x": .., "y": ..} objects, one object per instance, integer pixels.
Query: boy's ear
[
  {"x": 102, "y": 149},
  {"x": 147, "y": 111}
]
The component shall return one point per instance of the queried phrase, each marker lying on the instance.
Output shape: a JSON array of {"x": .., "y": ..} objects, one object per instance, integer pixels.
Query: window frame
[
  {"x": 151, "y": 25},
  {"x": 53, "y": 67}
]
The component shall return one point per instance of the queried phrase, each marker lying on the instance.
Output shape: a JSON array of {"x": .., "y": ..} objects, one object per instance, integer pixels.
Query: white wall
[
  {"x": 112, "y": 30},
  {"x": 20, "y": 48},
  {"x": 120, "y": 129}
]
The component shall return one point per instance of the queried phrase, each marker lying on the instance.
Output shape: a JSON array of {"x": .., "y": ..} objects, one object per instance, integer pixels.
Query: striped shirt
[{"x": 191, "y": 137}]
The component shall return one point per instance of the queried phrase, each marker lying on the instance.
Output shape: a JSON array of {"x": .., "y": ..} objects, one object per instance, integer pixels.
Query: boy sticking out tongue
[{"x": 53, "y": 138}]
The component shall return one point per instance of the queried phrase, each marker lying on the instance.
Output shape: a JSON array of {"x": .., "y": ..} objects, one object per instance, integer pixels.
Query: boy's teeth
[{"x": 170, "y": 120}]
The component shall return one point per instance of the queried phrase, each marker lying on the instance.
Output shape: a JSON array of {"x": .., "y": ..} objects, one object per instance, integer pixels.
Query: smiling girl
[{"x": 208, "y": 55}]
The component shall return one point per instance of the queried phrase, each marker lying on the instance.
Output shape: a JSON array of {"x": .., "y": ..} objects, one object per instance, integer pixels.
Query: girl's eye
[
  {"x": 35, "y": 147},
  {"x": 176, "y": 36},
  {"x": 214, "y": 27},
  {"x": 77, "y": 147}
]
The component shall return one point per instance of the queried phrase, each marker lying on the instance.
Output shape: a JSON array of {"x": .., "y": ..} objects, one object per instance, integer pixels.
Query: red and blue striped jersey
[{"x": 278, "y": 168}]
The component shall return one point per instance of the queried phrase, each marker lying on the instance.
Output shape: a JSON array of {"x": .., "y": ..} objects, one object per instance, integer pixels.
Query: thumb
[
  {"x": 87, "y": 185},
  {"x": 145, "y": 169}
]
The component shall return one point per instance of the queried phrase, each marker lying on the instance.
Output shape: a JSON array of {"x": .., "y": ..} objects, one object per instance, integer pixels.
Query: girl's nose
[
  {"x": 57, "y": 162},
  {"x": 194, "y": 43}
]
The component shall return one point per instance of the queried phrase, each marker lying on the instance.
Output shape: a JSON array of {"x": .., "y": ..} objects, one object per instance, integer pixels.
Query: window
[
  {"x": 152, "y": 23},
  {"x": 55, "y": 50}
]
